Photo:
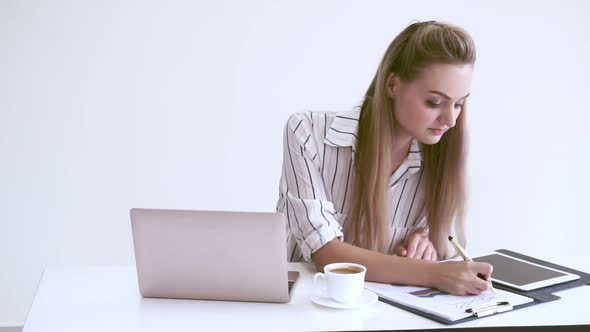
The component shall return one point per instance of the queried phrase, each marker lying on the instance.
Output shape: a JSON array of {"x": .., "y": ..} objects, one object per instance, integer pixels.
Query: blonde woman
[{"x": 383, "y": 185}]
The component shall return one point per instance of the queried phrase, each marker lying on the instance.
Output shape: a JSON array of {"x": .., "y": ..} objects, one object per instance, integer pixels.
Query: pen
[
  {"x": 466, "y": 258},
  {"x": 498, "y": 304},
  {"x": 490, "y": 310}
]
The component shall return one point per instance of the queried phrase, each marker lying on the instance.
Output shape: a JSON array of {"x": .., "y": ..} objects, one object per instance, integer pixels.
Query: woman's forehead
[{"x": 453, "y": 80}]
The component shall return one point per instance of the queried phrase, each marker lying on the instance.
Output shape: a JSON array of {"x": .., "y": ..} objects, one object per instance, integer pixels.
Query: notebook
[
  {"x": 445, "y": 306},
  {"x": 211, "y": 255}
]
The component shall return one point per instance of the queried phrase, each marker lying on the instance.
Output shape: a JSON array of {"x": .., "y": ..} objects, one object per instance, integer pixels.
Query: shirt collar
[
  {"x": 415, "y": 152},
  {"x": 343, "y": 130},
  {"x": 415, "y": 156}
]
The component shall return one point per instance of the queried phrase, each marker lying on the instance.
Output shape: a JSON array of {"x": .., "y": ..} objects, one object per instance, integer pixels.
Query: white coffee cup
[{"x": 344, "y": 282}]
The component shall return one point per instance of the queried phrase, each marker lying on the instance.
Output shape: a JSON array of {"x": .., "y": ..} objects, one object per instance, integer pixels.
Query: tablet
[{"x": 523, "y": 275}]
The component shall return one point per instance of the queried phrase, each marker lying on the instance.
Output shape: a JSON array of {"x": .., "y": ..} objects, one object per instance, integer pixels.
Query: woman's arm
[
  {"x": 380, "y": 267},
  {"x": 454, "y": 277}
]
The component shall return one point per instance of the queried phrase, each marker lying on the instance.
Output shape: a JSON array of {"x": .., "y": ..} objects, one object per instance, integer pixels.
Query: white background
[{"x": 109, "y": 105}]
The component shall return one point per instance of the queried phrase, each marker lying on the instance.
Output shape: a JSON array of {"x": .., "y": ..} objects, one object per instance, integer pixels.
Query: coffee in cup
[
  {"x": 347, "y": 270},
  {"x": 344, "y": 282}
]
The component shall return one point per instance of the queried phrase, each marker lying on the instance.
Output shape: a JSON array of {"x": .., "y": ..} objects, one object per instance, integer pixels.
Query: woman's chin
[{"x": 429, "y": 140}]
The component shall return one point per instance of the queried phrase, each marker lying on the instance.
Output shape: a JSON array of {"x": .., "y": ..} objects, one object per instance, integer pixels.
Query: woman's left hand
[{"x": 417, "y": 246}]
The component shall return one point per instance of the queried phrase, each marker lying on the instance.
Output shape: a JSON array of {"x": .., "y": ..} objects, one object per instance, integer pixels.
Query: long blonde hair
[{"x": 416, "y": 47}]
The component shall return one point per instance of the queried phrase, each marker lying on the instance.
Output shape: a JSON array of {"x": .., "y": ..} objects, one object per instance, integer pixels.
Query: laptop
[{"x": 211, "y": 255}]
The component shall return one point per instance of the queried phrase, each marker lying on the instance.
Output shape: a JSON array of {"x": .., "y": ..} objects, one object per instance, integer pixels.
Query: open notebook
[{"x": 445, "y": 306}]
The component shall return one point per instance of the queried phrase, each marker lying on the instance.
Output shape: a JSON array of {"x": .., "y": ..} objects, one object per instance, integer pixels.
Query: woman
[{"x": 384, "y": 185}]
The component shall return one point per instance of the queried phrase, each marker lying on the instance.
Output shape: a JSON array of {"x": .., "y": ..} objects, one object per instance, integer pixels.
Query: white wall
[{"x": 108, "y": 105}]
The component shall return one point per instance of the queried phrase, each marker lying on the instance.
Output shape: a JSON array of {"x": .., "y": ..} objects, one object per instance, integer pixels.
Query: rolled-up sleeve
[
  {"x": 302, "y": 195},
  {"x": 421, "y": 224}
]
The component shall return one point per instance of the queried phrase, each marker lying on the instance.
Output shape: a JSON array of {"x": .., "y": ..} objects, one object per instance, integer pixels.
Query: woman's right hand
[{"x": 460, "y": 277}]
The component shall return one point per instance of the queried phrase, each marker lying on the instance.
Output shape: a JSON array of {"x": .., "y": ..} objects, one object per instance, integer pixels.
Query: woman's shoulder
[
  {"x": 309, "y": 117},
  {"x": 309, "y": 120},
  {"x": 311, "y": 131}
]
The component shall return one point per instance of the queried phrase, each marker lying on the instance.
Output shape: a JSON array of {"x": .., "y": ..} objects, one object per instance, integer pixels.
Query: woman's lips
[{"x": 438, "y": 131}]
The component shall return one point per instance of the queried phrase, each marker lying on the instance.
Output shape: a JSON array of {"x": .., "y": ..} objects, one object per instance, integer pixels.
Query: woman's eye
[
  {"x": 459, "y": 106},
  {"x": 433, "y": 104}
]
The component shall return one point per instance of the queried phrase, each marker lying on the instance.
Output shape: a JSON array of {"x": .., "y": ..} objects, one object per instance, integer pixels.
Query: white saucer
[{"x": 367, "y": 298}]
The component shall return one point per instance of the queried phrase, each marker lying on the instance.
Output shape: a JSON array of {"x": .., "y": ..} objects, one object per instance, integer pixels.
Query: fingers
[
  {"x": 461, "y": 278},
  {"x": 480, "y": 288},
  {"x": 412, "y": 245},
  {"x": 428, "y": 252},
  {"x": 474, "y": 285},
  {"x": 475, "y": 291},
  {"x": 483, "y": 268},
  {"x": 481, "y": 283},
  {"x": 419, "y": 246},
  {"x": 400, "y": 250},
  {"x": 422, "y": 246}
]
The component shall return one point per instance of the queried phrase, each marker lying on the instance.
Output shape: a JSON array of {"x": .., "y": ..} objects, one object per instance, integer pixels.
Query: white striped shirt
[{"x": 316, "y": 182}]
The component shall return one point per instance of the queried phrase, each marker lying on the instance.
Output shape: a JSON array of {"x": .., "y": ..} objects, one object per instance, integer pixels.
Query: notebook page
[{"x": 435, "y": 302}]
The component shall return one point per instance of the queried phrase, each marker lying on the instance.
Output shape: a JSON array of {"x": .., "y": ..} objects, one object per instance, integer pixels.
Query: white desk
[{"x": 107, "y": 299}]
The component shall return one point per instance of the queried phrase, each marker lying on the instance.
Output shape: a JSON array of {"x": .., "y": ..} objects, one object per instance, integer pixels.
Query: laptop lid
[{"x": 210, "y": 255}]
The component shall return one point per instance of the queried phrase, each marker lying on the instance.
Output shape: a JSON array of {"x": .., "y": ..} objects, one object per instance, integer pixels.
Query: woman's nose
[{"x": 447, "y": 117}]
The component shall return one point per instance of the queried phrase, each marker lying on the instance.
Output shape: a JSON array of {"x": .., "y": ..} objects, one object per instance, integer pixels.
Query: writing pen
[{"x": 466, "y": 258}]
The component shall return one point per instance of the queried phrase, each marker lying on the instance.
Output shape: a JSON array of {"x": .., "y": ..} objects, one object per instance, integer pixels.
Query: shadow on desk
[{"x": 568, "y": 328}]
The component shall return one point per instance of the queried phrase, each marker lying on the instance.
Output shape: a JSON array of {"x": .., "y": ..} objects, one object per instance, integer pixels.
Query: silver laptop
[{"x": 211, "y": 255}]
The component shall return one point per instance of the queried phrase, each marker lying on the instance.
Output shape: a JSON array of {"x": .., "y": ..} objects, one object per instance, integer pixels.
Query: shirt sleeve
[
  {"x": 302, "y": 195},
  {"x": 421, "y": 224}
]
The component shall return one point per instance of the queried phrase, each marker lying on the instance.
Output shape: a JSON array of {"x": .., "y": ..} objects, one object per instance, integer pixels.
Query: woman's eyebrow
[{"x": 445, "y": 96}]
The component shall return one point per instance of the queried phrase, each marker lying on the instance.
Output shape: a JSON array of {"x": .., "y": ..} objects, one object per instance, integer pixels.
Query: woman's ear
[{"x": 392, "y": 85}]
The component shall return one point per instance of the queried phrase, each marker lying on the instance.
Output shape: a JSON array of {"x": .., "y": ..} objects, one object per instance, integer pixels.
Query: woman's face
[{"x": 428, "y": 106}]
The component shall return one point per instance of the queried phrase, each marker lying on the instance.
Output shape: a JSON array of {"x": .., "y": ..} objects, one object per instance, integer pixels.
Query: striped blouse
[{"x": 316, "y": 181}]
